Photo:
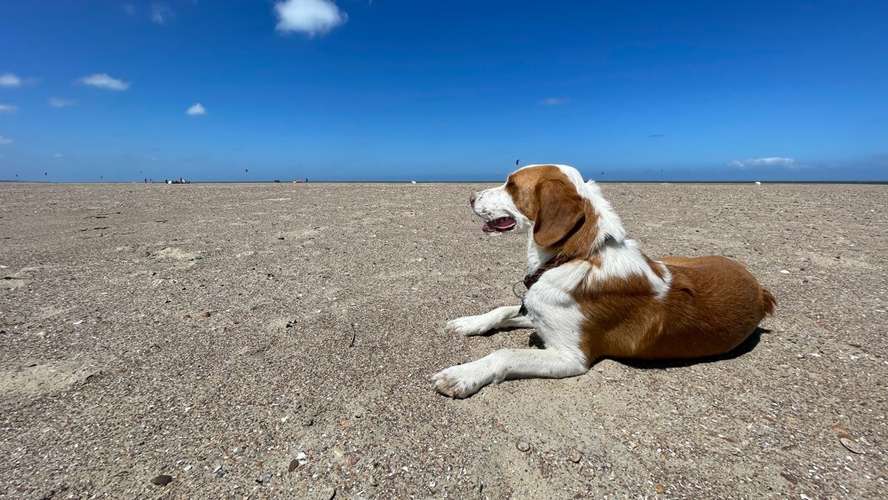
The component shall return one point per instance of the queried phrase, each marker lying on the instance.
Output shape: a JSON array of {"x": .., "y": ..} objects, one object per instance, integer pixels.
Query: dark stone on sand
[{"x": 162, "y": 480}]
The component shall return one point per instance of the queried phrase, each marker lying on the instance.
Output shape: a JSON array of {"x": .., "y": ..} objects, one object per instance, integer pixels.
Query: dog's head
[{"x": 565, "y": 213}]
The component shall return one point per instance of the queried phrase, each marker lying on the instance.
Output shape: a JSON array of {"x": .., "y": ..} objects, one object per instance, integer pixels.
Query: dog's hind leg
[
  {"x": 501, "y": 317},
  {"x": 462, "y": 381}
]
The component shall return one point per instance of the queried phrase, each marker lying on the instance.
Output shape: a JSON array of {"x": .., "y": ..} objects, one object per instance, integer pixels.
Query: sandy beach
[{"x": 276, "y": 340}]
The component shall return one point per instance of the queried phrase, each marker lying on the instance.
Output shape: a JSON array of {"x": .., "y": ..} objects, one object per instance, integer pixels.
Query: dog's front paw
[
  {"x": 460, "y": 381},
  {"x": 467, "y": 325}
]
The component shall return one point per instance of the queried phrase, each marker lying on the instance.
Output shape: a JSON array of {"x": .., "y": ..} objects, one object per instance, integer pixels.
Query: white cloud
[
  {"x": 312, "y": 17},
  {"x": 10, "y": 80},
  {"x": 554, "y": 101},
  {"x": 161, "y": 13},
  {"x": 8, "y": 108},
  {"x": 5, "y": 140},
  {"x": 770, "y": 161},
  {"x": 58, "y": 102},
  {"x": 196, "y": 109},
  {"x": 104, "y": 81}
]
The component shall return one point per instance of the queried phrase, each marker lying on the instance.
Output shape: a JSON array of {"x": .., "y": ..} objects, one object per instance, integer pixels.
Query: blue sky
[{"x": 443, "y": 90}]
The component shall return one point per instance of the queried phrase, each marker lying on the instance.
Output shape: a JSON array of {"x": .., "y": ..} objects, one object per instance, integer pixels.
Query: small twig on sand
[{"x": 354, "y": 334}]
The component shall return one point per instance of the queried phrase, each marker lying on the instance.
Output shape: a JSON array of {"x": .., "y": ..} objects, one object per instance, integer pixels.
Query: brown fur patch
[
  {"x": 713, "y": 305},
  {"x": 522, "y": 184},
  {"x": 560, "y": 213}
]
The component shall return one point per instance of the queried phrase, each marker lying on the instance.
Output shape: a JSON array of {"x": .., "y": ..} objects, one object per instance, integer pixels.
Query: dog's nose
[{"x": 472, "y": 200}]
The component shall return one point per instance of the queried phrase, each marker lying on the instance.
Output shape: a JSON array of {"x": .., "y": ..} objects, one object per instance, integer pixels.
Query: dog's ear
[{"x": 559, "y": 212}]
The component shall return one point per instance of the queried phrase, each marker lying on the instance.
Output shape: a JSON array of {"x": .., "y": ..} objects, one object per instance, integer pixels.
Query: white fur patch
[
  {"x": 558, "y": 320},
  {"x": 536, "y": 255},
  {"x": 501, "y": 317},
  {"x": 625, "y": 260},
  {"x": 667, "y": 279},
  {"x": 496, "y": 202},
  {"x": 553, "y": 310}
]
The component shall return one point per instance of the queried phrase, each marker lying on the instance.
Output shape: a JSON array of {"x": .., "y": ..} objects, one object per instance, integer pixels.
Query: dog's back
[{"x": 713, "y": 305}]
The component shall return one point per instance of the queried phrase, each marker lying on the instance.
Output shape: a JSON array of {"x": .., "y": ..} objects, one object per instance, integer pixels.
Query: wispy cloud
[
  {"x": 161, "y": 13},
  {"x": 8, "y": 108},
  {"x": 58, "y": 155},
  {"x": 312, "y": 17},
  {"x": 196, "y": 109},
  {"x": 554, "y": 101},
  {"x": 58, "y": 102},
  {"x": 769, "y": 161},
  {"x": 130, "y": 9},
  {"x": 104, "y": 81},
  {"x": 5, "y": 140},
  {"x": 10, "y": 80}
]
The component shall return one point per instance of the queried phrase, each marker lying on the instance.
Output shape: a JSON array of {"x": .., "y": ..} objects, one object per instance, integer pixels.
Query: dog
[{"x": 592, "y": 293}]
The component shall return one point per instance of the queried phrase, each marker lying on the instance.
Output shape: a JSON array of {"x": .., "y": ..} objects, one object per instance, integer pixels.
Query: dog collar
[{"x": 530, "y": 279}]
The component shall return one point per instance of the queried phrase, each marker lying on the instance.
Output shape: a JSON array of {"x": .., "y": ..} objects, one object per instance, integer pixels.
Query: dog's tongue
[{"x": 498, "y": 225}]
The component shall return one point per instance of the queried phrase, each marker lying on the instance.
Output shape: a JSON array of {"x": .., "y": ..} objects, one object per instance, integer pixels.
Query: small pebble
[
  {"x": 575, "y": 456},
  {"x": 300, "y": 460},
  {"x": 523, "y": 446},
  {"x": 162, "y": 480},
  {"x": 851, "y": 445}
]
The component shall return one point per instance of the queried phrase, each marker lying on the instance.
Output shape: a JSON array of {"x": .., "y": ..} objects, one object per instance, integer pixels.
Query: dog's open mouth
[{"x": 500, "y": 225}]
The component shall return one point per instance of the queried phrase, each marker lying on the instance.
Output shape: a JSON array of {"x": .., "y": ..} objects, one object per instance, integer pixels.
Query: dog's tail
[{"x": 769, "y": 303}]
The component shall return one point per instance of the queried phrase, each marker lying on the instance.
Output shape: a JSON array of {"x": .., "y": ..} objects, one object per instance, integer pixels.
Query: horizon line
[{"x": 411, "y": 181}]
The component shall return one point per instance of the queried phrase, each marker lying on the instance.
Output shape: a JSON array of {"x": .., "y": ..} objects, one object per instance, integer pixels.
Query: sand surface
[{"x": 276, "y": 340}]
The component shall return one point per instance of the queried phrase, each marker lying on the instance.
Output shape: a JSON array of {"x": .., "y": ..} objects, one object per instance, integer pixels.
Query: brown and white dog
[{"x": 593, "y": 294}]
